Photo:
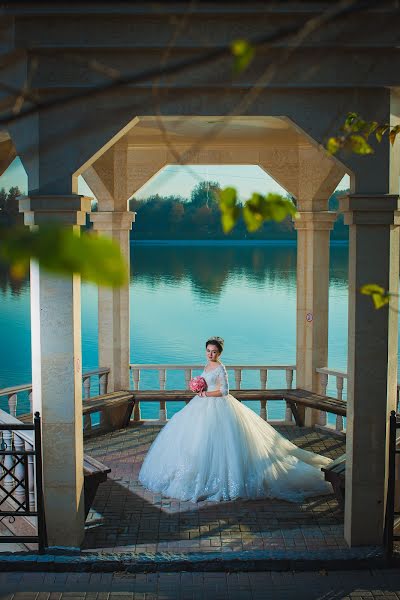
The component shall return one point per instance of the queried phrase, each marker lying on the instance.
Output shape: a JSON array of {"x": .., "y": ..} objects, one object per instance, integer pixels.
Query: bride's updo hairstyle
[{"x": 216, "y": 341}]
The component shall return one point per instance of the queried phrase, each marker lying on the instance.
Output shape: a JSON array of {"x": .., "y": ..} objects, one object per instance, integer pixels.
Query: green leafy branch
[
  {"x": 356, "y": 133},
  {"x": 63, "y": 251},
  {"x": 256, "y": 210}
]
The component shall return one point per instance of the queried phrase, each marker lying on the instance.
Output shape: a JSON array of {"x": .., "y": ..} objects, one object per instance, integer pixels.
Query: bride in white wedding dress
[{"x": 219, "y": 449}]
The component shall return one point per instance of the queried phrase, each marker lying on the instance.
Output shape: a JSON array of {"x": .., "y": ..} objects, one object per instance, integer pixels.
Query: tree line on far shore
[
  {"x": 175, "y": 217},
  {"x": 199, "y": 217},
  {"x": 9, "y": 210}
]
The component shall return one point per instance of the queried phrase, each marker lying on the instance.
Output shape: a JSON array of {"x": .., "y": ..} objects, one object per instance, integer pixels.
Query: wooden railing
[
  {"x": 87, "y": 383},
  {"x": 162, "y": 369},
  {"x": 340, "y": 376}
]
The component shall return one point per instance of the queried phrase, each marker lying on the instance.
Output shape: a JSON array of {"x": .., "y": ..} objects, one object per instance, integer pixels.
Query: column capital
[
  {"x": 322, "y": 220},
  {"x": 112, "y": 220},
  {"x": 63, "y": 209},
  {"x": 370, "y": 209}
]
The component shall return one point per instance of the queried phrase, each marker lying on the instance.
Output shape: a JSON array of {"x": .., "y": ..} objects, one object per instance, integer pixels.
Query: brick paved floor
[
  {"x": 137, "y": 520},
  {"x": 336, "y": 585}
]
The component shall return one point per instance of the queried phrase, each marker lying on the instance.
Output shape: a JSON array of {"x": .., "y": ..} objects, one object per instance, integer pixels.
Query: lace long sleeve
[{"x": 223, "y": 381}]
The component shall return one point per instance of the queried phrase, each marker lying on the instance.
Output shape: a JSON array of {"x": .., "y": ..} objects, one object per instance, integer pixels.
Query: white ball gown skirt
[{"x": 218, "y": 449}]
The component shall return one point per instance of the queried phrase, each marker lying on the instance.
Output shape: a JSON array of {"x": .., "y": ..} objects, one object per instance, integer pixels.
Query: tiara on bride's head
[{"x": 216, "y": 338}]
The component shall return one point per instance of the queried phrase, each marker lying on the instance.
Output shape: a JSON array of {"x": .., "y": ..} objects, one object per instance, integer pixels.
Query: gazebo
[{"x": 118, "y": 131}]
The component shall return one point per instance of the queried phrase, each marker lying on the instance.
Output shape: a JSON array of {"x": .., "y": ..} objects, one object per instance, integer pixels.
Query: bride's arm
[{"x": 214, "y": 394}]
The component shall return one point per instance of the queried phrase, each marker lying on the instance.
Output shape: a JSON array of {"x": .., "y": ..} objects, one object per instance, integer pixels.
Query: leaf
[
  {"x": 229, "y": 219},
  {"x": 333, "y": 145},
  {"x": 370, "y": 128},
  {"x": 252, "y": 217},
  {"x": 380, "y": 131},
  {"x": 380, "y": 297},
  {"x": 227, "y": 197},
  {"x": 272, "y": 207},
  {"x": 63, "y": 251},
  {"x": 351, "y": 118},
  {"x": 230, "y": 211},
  {"x": 243, "y": 53},
  {"x": 393, "y": 133},
  {"x": 359, "y": 144}
]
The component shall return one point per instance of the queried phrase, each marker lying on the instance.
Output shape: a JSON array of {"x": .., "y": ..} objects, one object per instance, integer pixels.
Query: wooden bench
[
  {"x": 298, "y": 399},
  {"x": 94, "y": 473},
  {"x": 115, "y": 411},
  {"x": 335, "y": 474}
]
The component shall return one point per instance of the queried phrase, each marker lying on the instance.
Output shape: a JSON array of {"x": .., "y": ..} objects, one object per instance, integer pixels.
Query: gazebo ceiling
[{"x": 215, "y": 130}]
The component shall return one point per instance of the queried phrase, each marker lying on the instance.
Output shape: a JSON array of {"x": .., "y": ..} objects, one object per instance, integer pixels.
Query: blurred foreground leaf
[
  {"x": 243, "y": 53},
  {"x": 62, "y": 251},
  {"x": 256, "y": 210},
  {"x": 230, "y": 211},
  {"x": 380, "y": 297}
]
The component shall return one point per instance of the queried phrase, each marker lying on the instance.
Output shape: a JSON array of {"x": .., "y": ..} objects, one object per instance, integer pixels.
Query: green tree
[{"x": 204, "y": 193}]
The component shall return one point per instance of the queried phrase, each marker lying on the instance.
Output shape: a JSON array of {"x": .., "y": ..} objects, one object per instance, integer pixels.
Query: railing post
[
  {"x": 12, "y": 404},
  {"x": 339, "y": 388},
  {"x": 323, "y": 384},
  {"x": 136, "y": 378},
  {"x": 289, "y": 378},
  {"x": 188, "y": 377},
  {"x": 30, "y": 400},
  {"x": 162, "y": 376},
  {"x": 86, "y": 386},
  {"x": 263, "y": 378},
  {"x": 136, "y": 383},
  {"x": 31, "y": 477},
  {"x": 263, "y": 410},
  {"x": 19, "y": 470},
  {"x": 289, "y": 384},
  {"x": 163, "y": 411},
  {"x": 103, "y": 383},
  {"x": 238, "y": 378},
  {"x": 136, "y": 411},
  {"x": 87, "y": 423},
  {"x": 263, "y": 403},
  {"x": 8, "y": 459}
]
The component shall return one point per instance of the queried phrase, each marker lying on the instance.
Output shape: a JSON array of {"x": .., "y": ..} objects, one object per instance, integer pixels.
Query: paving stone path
[
  {"x": 338, "y": 585},
  {"x": 135, "y": 520}
]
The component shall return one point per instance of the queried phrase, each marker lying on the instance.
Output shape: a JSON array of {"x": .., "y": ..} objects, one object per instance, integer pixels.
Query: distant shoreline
[{"x": 287, "y": 243}]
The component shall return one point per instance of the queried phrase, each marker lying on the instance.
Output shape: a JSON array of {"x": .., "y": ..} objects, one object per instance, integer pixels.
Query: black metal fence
[{"x": 21, "y": 485}]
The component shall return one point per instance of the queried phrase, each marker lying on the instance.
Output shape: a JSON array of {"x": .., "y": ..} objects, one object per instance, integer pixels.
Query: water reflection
[
  {"x": 210, "y": 268},
  {"x": 9, "y": 284}
]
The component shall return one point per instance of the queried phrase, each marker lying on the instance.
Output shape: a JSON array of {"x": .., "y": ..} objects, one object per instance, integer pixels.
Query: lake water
[{"x": 183, "y": 293}]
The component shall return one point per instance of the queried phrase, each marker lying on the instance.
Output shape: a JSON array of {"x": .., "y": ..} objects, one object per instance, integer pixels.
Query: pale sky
[{"x": 179, "y": 180}]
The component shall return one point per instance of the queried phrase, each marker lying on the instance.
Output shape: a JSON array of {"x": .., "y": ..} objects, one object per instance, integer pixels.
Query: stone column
[
  {"x": 114, "y": 304},
  {"x": 57, "y": 374},
  {"x": 372, "y": 361},
  {"x": 312, "y": 299}
]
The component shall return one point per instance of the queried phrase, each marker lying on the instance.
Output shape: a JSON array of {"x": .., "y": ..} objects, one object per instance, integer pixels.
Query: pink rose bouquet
[{"x": 198, "y": 384}]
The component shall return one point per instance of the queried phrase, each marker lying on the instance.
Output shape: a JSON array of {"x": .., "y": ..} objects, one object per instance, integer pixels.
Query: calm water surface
[{"x": 180, "y": 295}]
